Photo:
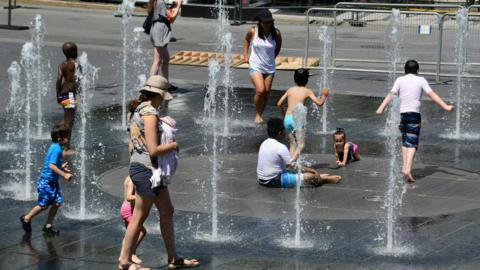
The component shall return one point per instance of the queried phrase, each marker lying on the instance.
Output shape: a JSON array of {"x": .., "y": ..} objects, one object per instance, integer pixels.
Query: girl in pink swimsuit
[
  {"x": 126, "y": 212},
  {"x": 344, "y": 151}
]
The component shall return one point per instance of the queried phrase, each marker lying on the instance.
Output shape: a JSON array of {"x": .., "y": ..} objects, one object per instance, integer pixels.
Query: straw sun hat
[{"x": 158, "y": 84}]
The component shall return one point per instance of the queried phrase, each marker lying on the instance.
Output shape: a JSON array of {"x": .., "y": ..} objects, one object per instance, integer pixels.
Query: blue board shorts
[
  {"x": 283, "y": 180},
  {"x": 410, "y": 125},
  {"x": 48, "y": 193},
  {"x": 288, "y": 123}
]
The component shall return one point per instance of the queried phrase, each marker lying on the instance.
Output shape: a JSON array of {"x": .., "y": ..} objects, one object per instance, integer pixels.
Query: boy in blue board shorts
[
  {"x": 298, "y": 95},
  {"x": 48, "y": 186},
  {"x": 274, "y": 167}
]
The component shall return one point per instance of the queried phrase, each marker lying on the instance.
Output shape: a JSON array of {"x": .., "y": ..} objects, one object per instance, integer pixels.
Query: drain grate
[
  {"x": 374, "y": 198},
  {"x": 372, "y": 46}
]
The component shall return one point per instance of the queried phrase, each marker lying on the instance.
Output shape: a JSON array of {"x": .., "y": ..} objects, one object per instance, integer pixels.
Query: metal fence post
[
  {"x": 440, "y": 47},
  {"x": 307, "y": 39},
  {"x": 334, "y": 42}
]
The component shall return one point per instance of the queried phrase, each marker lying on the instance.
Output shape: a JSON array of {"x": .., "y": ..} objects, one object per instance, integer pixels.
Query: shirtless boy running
[{"x": 295, "y": 95}]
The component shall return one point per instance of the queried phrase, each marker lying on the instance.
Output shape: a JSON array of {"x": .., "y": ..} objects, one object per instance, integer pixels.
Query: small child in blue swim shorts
[
  {"x": 409, "y": 89},
  {"x": 67, "y": 86},
  {"x": 293, "y": 96},
  {"x": 344, "y": 151},
  {"x": 47, "y": 185},
  {"x": 274, "y": 167}
]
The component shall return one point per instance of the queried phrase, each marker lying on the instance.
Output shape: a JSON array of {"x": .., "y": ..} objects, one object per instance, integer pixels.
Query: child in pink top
[
  {"x": 126, "y": 212},
  {"x": 344, "y": 151}
]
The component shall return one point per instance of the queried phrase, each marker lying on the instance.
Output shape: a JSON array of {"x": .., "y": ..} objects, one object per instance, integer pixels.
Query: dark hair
[
  {"x": 146, "y": 95},
  {"x": 273, "y": 31},
  {"x": 301, "y": 76},
  {"x": 70, "y": 50},
  {"x": 59, "y": 132},
  {"x": 340, "y": 131},
  {"x": 274, "y": 126},
  {"x": 411, "y": 66},
  {"x": 151, "y": 6},
  {"x": 132, "y": 106}
]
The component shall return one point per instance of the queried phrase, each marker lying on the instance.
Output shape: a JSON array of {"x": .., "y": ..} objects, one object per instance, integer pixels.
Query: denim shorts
[
  {"x": 410, "y": 125},
  {"x": 141, "y": 179},
  {"x": 251, "y": 71}
]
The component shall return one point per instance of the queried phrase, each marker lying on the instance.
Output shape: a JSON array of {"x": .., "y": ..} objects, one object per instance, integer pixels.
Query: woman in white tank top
[{"x": 264, "y": 42}]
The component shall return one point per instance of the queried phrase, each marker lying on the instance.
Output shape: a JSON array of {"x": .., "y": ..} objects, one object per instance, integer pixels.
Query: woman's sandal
[{"x": 183, "y": 263}]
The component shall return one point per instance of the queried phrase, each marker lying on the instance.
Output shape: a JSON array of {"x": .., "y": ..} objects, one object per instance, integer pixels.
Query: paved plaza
[{"x": 343, "y": 225}]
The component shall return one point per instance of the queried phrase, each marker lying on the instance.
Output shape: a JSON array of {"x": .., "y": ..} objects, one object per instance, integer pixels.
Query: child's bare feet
[
  {"x": 258, "y": 119},
  {"x": 409, "y": 177},
  {"x": 136, "y": 259},
  {"x": 332, "y": 179}
]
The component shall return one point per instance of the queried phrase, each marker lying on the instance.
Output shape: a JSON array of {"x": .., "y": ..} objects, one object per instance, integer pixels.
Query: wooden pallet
[
  {"x": 199, "y": 58},
  {"x": 195, "y": 58}
]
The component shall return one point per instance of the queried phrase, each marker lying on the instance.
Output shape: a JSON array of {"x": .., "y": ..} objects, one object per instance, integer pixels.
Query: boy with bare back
[
  {"x": 295, "y": 95},
  {"x": 68, "y": 84}
]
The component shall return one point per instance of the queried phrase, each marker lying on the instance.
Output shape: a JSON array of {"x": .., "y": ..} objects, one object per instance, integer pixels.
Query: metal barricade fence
[
  {"x": 394, "y": 5},
  {"x": 473, "y": 46},
  {"x": 359, "y": 38}
]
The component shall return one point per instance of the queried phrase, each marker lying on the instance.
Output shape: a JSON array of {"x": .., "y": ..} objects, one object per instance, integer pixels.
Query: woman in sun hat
[
  {"x": 264, "y": 42},
  {"x": 144, "y": 135}
]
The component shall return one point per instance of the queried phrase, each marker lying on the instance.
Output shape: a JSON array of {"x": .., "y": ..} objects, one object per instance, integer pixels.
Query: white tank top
[{"x": 262, "y": 53}]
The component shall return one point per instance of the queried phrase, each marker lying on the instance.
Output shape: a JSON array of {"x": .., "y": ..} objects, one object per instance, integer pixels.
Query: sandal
[
  {"x": 50, "y": 230},
  {"x": 27, "y": 226},
  {"x": 124, "y": 266},
  {"x": 183, "y": 263}
]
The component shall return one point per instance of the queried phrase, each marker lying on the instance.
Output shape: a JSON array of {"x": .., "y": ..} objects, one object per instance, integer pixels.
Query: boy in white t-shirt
[
  {"x": 409, "y": 88},
  {"x": 274, "y": 167}
]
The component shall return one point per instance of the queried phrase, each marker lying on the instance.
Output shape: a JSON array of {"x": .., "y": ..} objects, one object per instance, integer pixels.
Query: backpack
[{"x": 147, "y": 24}]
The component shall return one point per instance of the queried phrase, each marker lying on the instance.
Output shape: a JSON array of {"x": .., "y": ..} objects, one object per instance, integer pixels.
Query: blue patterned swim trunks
[
  {"x": 48, "y": 193},
  {"x": 410, "y": 125}
]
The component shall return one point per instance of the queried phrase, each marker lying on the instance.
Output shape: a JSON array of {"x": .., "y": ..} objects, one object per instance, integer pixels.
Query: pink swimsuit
[{"x": 126, "y": 212}]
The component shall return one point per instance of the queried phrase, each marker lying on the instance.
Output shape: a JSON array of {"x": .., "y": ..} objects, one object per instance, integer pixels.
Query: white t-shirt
[
  {"x": 409, "y": 89},
  {"x": 273, "y": 158}
]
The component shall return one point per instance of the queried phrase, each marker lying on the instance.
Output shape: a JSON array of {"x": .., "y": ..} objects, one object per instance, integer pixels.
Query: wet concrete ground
[{"x": 438, "y": 229}]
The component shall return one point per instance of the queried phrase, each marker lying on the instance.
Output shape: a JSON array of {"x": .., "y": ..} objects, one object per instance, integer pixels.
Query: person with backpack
[{"x": 158, "y": 26}]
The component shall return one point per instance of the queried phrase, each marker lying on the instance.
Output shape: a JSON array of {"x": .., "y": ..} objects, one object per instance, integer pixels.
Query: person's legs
[
  {"x": 409, "y": 155},
  {"x": 165, "y": 210},
  {"x": 258, "y": 83},
  {"x": 310, "y": 178},
  {"x": 293, "y": 145},
  {"x": 318, "y": 179},
  {"x": 268, "y": 80},
  {"x": 156, "y": 62},
  {"x": 51, "y": 215},
  {"x": 141, "y": 236},
  {"x": 410, "y": 127},
  {"x": 404, "y": 158},
  {"x": 140, "y": 214},
  {"x": 328, "y": 178},
  {"x": 68, "y": 117},
  {"x": 165, "y": 60},
  {"x": 37, "y": 209},
  {"x": 301, "y": 140}
]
